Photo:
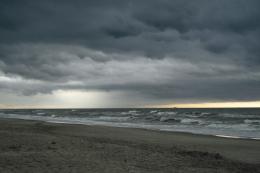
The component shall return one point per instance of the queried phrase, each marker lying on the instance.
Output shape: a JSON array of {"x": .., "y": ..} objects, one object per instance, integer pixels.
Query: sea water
[{"x": 233, "y": 123}]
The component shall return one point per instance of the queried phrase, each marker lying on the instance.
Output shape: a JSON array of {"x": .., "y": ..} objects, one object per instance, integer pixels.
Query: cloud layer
[{"x": 169, "y": 50}]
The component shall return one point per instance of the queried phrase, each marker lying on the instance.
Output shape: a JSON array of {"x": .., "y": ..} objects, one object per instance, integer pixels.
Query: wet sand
[{"x": 33, "y": 146}]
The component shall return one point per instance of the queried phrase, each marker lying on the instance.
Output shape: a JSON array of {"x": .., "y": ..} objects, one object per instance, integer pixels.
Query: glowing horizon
[{"x": 249, "y": 104}]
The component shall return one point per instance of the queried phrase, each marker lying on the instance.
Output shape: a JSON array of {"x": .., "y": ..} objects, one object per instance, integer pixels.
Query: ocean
[{"x": 232, "y": 122}]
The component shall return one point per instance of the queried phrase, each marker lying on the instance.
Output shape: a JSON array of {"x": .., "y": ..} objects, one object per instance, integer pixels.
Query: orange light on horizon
[{"x": 249, "y": 104}]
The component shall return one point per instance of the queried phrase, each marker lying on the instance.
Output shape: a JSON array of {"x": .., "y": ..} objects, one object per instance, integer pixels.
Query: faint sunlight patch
[
  {"x": 57, "y": 99},
  {"x": 77, "y": 98}
]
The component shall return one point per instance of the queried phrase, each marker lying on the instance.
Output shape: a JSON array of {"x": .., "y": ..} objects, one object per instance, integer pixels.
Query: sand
[{"x": 33, "y": 146}]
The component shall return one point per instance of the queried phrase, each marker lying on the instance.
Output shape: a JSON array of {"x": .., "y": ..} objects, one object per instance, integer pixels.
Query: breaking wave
[{"x": 230, "y": 122}]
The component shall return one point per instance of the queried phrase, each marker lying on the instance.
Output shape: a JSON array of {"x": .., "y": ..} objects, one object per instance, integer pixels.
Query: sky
[{"x": 129, "y": 53}]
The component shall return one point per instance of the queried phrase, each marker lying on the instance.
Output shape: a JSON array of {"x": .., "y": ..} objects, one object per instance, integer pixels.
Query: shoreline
[
  {"x": 30, "y": 144},
  {"x": 110, "y": 124}
]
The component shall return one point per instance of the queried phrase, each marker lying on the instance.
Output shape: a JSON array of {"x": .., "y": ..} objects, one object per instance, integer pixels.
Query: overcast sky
[{"x": 127, "y": 53}]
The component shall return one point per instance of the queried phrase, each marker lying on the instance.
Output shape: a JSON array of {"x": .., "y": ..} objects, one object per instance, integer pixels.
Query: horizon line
[
  {"x": 223, "y": 105},
  {"x": 132, "y": 108}
]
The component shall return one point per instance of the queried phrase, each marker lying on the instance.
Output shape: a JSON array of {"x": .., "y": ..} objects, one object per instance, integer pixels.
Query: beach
[{"x": 36, "y": 146}]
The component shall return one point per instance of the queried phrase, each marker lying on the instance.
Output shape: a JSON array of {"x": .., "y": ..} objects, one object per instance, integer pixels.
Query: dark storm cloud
[{"x": 168, "y": 49}]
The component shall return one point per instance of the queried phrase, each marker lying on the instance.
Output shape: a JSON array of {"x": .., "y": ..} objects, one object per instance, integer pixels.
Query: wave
[
  {"x": 202, "y": 122},
  {"x": 40, "y": 113},
  {"x": 132, "y": 112},
  {"x": 108, "y": 118},
  {"x": 244, "y": 127},
  {"x": 169, "y": 119},
  {"x": 191, "y": 121},
  {"x": 53, "y": 115},
  {"x": 252, "y": 121},
  {"x": 226, "y": 136}
]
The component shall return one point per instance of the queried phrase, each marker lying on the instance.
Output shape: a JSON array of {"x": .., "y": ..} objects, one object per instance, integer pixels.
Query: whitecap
[
  {"x": 247, "y": 121},
  {"x": 107, "y": 118},
  {"x": 53, "y": 116},
  {"x": 191, "y": 121}
]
